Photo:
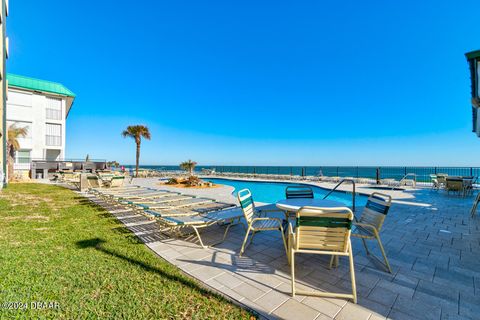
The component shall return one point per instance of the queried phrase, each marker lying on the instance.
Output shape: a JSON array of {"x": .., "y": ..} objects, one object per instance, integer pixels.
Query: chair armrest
[
  {"x": 366, "y": 226},
  {"x": 267, "y": 218},
  {"x": 265, "y": 211},
  {"x": 290, "y": 228}
]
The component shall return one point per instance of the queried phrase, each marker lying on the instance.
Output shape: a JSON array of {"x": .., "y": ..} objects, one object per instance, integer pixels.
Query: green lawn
[{"x": 57, "y": 247}]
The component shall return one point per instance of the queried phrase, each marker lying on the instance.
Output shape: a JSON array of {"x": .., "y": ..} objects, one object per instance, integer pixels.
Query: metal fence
[{"x": 388, "y": 172}]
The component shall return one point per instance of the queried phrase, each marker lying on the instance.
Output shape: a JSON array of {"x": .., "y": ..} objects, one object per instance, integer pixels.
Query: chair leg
[
  {"x": 383, "y": 253},
  {"x": 251, "y": 239},
  {"x": 352, "y": 274},
  {"x": 474, "y": 207},
  {"x": 365, "y": 245},
  {"x": 331, "y": 262},
  {"x": 284, "y": 241},
  {"x": 292, "y": 271},
  {"x": 289, "y": 250},
  {"x": 244, "y": 241}
]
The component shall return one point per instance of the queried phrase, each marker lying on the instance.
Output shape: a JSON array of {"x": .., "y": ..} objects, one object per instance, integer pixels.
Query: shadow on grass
[{"x": 97, "y": 244}]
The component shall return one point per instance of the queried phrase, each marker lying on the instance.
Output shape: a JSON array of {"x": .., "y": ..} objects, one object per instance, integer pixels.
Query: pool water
[{"x": 271, "y": 192}]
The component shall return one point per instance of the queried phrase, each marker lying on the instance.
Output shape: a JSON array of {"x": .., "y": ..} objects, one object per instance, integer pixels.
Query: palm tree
[
  {"x": 137, "y": 132},
  {"x": 188, "y": 166},
  {"x": 13, "y": 145}
]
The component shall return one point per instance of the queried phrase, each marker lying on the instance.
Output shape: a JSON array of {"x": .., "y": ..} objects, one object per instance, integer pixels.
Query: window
[
  {"x": 53, "y": 134},
  {"x": 19, "y": 98},
  {"x": 54, "y": 109},
  {"x": 22, "y": 124},
  {"x": 22, "y": 156}
]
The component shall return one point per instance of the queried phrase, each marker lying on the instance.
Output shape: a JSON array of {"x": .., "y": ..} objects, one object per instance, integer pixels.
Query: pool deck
[{"x": 432, "y": 243}]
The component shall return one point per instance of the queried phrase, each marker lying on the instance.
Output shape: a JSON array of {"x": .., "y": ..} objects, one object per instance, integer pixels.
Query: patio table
[{"x": 293, "y": 205}]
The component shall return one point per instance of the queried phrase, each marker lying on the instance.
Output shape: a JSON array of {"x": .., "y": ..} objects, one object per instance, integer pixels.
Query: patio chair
[
  {"x": 442, "y": 180},
  {"x": 468, "y": 185},
  {"x": 370, "y": 224},
  {"x": 475, "y": 205},
  {"x": 455, "y": 184},
  {"x": 324, "y": 231},
  {"x": 294, "y": 192},
  {"x": 297, "y": 192},
  {"x": 256, "y": 222},
  {"x": 434, "y": 179}
]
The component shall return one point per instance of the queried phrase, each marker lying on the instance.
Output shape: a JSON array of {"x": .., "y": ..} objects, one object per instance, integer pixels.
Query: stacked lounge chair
[{"x": 173, "y": 211}]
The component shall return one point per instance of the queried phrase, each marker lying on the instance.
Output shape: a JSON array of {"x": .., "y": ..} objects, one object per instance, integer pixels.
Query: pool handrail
[{"x": 353, "y": 191}]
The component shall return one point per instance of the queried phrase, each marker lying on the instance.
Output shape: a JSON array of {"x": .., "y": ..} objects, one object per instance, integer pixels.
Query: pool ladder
[{"x": 353, "y": 191}]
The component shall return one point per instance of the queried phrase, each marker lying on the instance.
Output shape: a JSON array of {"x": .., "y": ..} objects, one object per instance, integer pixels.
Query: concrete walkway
[{"x": 432, "y": 243}]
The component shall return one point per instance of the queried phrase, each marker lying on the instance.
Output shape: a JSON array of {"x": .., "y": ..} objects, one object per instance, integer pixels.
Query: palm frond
[{"x": 13, "y": 134}]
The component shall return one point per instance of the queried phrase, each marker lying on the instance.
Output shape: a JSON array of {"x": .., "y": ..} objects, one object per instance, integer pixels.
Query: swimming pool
[{"x": 271, "y": 192}]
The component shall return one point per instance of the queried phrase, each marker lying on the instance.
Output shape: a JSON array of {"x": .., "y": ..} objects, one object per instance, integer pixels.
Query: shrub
[
  {"x": 173, "y": 181},
  {"x": 193, "y": 181}
]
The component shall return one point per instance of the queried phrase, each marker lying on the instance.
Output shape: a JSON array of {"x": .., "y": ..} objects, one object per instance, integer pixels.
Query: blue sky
[{"x": 258, "y": 82}]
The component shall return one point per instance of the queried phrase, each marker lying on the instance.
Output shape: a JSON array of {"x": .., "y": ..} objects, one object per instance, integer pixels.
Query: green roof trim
[
  {"x": 473, "y": 54},
  {"x": 38, "y": 85}
]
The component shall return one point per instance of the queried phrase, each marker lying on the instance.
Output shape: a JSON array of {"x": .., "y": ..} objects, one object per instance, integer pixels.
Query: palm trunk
[
  {"x": 10, "y": 161},
  {"x": 137, "y": 160},
  {"x": 10, "y": 170}
]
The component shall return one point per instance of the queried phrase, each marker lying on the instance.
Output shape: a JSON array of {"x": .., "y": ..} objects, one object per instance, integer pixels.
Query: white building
[{"x": 42, "y": 107}]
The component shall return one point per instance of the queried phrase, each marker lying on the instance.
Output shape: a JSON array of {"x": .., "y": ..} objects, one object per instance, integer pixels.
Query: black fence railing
[{"x": 370, "y": 172}]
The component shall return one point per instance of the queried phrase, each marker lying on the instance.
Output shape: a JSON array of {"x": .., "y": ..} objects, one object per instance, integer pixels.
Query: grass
[{"x": 57, "y": 247}]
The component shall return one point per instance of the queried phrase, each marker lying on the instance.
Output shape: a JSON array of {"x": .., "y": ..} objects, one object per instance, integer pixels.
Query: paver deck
[{"x": 432, "y": 243}]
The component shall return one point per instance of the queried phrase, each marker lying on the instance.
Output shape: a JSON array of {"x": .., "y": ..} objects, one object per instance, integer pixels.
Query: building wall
[
  {"x": 37, "y": 112},
  {"x": 3, "y": 88}
]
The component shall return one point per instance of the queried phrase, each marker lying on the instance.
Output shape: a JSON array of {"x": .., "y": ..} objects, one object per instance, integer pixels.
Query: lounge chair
[
  {"x": 116, "y": 181},
  {"x": 198, "y": 222},
  {"x": 323, "y": 231},
  {"x": 255, "y": 221},
  {"x": 152, "y": 197},
  {"x": 187, "y": 202},
  {"x": 187, "y": 211},
  {"x": 370, "y": 224},
  {"x": 94, "y": 182}
]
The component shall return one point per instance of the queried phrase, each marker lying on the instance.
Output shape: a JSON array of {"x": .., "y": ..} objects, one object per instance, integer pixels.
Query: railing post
[
  {"x": 378, "y": 175},
  {"x": 353, "y": 196}
]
